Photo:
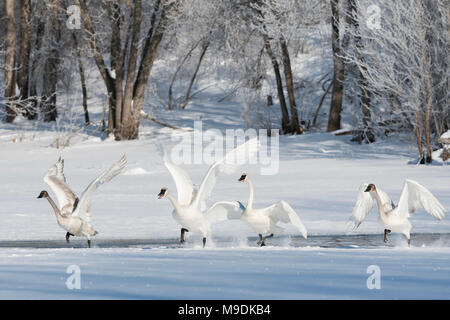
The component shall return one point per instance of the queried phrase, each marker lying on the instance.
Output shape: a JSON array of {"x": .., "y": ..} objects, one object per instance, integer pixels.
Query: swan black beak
[
  {"x": 242, "y": 178},
  {"x": 43, "y": 194},
  {"x": 162, "y": 193},
  {"x": 367, "y": 189}
]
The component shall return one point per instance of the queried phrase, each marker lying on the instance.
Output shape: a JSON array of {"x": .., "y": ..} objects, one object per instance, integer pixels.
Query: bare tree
[
  {"x": 10, "y": 86},
  {"x": 205, "y": 46},
  {"x": 50, "y": 76},
  {"x": 82, "y": 78},
  {"x": 295, "y": 124},
  {"x": 23, "y": 63},
  {"x": 126, "y": 87},
  {"x": 404, "y": 67},
  {"x": 334, "y": 120}
]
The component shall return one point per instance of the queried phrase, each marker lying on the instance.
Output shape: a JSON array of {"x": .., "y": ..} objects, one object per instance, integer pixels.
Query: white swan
[
  {"x": 190, "y": 205},
  {"x": 395, "y": 219},
  {"x": 262, "y": 221},
  {"x": 76, "y": 222}
]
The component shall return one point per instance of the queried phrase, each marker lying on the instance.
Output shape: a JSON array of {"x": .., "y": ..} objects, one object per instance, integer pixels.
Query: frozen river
[{"x": 321, "y": 241}]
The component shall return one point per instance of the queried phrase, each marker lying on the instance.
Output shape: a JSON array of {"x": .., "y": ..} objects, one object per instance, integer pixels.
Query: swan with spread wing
[
  {"x": 72, "y": 213},
  {"x": 190, "y": 204},
  {"x": 395, "y": 218},
  {"x": 263, "y": 221}
]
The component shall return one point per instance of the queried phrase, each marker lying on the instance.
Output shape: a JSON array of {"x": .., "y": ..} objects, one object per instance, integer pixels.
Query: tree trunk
[
  {"x": 428, "y": 86},
  {"x": 117, "y": 63},
  {"x": 10, "y": 85},
  {"x": 83, "y": 89},
  {"x": 35, "y": 62},
  {"x": 48, "y": 106},
  {"x": 320, "y": 103},
  {"x": 131, "y": 129},
  {"x": 334, "y": 120},
  {"x": 191, "y": 83},
  {"x": 276, "y": 68},
  {"x": 24, "y": 52},
  {"x": 100, "y": 62},
  {"x": 82, "y": 79},
  {"x": 418, "y": 133},
  {"x": 132, "y": 65},
  {"x": 294, "y": 125},
  {"x": 169, "y": 104},
  {"x": 352, "y": 15}
]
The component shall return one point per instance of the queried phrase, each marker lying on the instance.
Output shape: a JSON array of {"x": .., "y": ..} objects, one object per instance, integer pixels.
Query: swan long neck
[
  {"x": 250, "y": 197},
  {"x": 55, "y": 208},
  {"x": 174, "y": 201},
  {"x": 380, "y": 204}
]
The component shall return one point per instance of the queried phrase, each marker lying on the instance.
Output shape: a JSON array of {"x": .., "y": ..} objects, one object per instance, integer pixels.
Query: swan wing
[
  {"x": 84, "y": 205},
  {"x": 414, "y": 195},
  {"x": 185, "y": 188},
  {"x": 57, "y": 170},
  {"x": 64, "y": 195},
  {"x": 283, "y": 212},
  {"x": 362, "y": 208},
  {"x": 56, "y": 180},
  {"x": 225, "y": 210},
  {"x": 227, "y": 164}
]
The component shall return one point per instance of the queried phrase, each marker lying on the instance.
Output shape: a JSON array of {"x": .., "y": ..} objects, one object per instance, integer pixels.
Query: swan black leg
[
  {"x": 204, "y": 242},
  {"x": 183, "y": 230},
  {"x": 89, "y": 243},
  {"x": 261, "y": 241},
  {"x": 68, "y": 234},
  {"x": 386, "y": 232},
  {"x": 264, "y": 239}
]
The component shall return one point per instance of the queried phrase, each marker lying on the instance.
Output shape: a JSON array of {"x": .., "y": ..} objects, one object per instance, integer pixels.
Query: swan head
[
  {"x": 162, "y": 193},
  {"x": 43, "y": 194},
  {"x": 243, "y": 177},
  {"x": 370, "y": 188}
]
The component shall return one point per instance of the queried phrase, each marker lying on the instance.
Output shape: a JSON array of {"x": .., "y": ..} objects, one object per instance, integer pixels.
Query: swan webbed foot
[
  {"x": 262, "y": 239},
  {"x": 182, "y": 237},
  {"x": 68, "y": 234},
  {"x": 204, "y": 242},
  {"x": 386, "y": 232}
]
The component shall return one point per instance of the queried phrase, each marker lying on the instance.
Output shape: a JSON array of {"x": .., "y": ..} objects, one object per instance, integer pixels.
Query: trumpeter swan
[
  {"x": 190, "y": 205},
  {"x": 76, "y": 221},
  {"x": 395, "y": 219},
  {"x": 263, "y": 221}
]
